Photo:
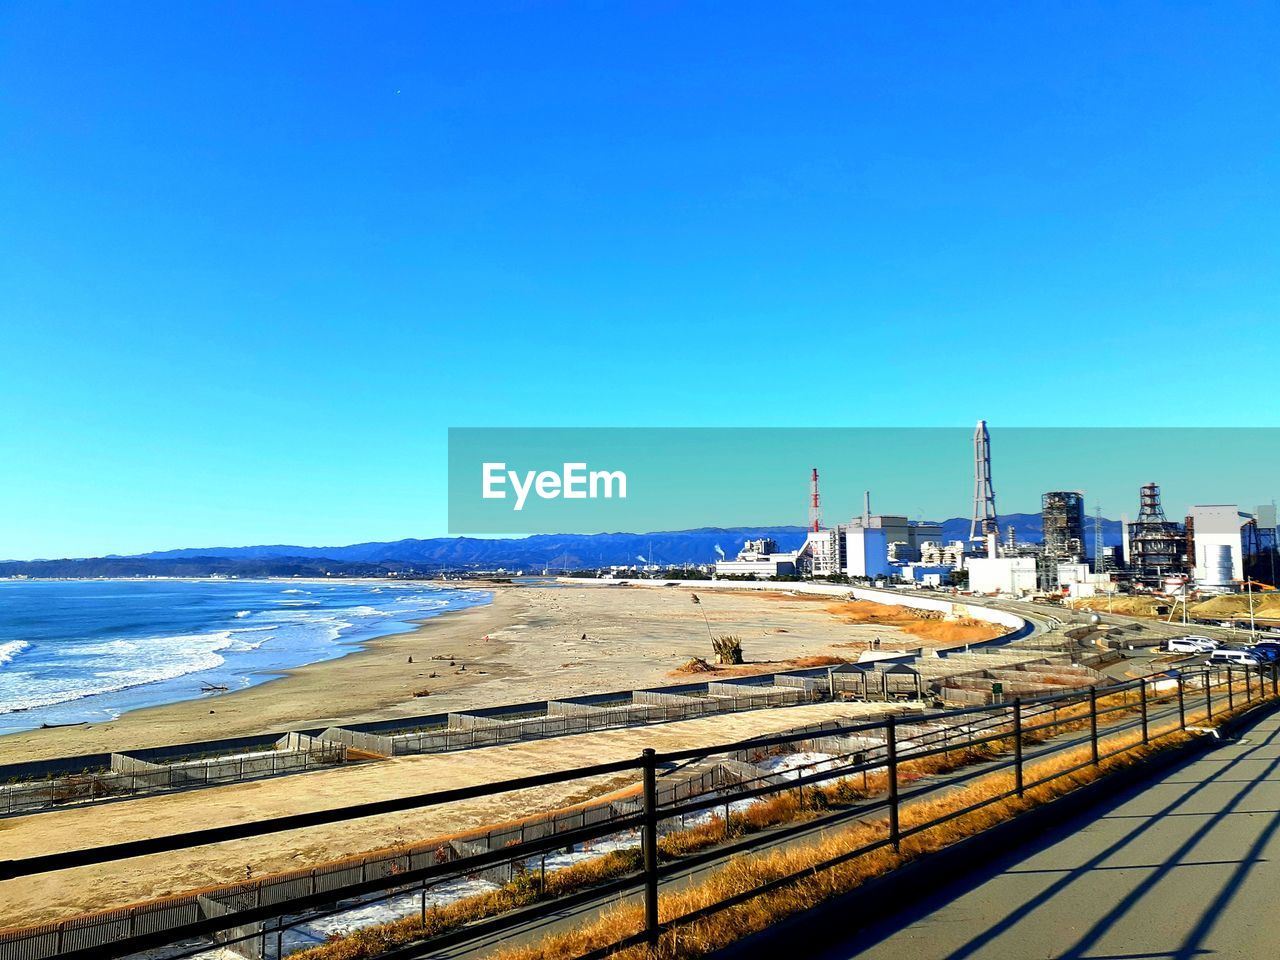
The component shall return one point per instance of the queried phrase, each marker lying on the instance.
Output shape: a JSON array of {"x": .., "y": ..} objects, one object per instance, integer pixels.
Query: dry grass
[
  {"x": 925, "y": 624},
  {"x": 810, "y": 886},
  {"x": 1266, "y": 605},
  {"x": 696, "y": 665},
  {"x": 526, "y": 888}
]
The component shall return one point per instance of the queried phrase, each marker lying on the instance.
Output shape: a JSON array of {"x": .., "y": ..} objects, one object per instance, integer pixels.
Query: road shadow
[{"x": 1243, "y": 770}]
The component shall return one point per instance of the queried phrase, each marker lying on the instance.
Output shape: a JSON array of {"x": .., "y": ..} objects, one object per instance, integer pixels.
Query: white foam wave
[
  {"x": 117, "y": 665},
  {"x": 11, "y": 649},
  {"x": 298, "y": 627},
  {"x": 243, "y": 646},
  {"x": 293, "y": 590}
]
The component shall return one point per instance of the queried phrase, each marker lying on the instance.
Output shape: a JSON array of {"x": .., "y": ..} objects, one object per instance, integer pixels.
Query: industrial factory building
[
  {"x": 1014, "y": 575},
  {"x": 760, "y": 559},
  {"x": 1062, "y": 516},
  {"x": 1219, "y": 545},
  {"x": 1157, "y": 548},
  {"x": 1224, "y": 543},
  {"x": 872, "y": 545}
]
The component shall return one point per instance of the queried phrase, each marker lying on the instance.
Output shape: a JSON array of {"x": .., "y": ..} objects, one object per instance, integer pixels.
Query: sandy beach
[
  {"x": 70, "y": 892},
  {"x": 530, "y": 643}
]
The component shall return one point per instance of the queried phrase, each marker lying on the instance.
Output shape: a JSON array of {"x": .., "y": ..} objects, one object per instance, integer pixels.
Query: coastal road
[{"x": 1185, "y": 866}]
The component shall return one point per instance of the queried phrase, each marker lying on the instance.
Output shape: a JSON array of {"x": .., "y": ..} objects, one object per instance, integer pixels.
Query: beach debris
[
  {"x": 422, "y": 693},
  {"x": 696, "y": 665}
]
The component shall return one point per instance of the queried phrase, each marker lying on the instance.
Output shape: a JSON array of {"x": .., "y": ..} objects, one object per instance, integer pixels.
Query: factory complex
[{"x": 1214, "y": 549}]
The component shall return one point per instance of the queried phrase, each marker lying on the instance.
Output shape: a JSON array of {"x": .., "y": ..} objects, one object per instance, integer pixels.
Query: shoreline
[
  {"x": 528, "y": 643},
  {"x": 302, "y": 696}
]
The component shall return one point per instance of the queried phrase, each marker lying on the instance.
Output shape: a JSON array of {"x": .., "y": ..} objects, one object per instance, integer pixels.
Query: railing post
[
  {"x": 650, "y": 846},
  {"x": 1093, "y": 722},
  {"x": 1182, "y": 705},
  {"x": 1017, "y": 745},
  {"x": 1275, "y": 682},
  {"x": 1142, "y": 695},
  {"x": 891, "y": 743},
  {"x": 1231, "y": 688},
  {"x": 1208, "y": 695}
]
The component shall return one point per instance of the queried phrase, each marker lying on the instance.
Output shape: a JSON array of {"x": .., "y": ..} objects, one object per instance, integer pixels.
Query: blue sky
[{"x": 256, "y": 258}]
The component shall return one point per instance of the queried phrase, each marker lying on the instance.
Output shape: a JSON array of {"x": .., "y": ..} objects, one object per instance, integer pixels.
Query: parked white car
[
  {"x": 1241, "y": 658},
  {"x": 1190, "y": 645},
  {"x": 1209, "y": 642}
]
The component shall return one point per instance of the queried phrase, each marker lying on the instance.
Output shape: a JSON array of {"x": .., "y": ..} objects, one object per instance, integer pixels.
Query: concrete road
[{"x": 1186, "y": 867}]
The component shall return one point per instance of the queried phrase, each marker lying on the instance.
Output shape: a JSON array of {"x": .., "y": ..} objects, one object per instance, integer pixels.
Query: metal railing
[{"x": 1011, "y": 739}]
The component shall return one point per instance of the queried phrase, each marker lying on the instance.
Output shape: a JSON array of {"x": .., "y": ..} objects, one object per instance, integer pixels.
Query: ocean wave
[
  {"x": 118, "y": 665},
  {"x": 296, "y": 629},
  {"x": 11, "y": 649},
  {"x": 243, "y": 646}
]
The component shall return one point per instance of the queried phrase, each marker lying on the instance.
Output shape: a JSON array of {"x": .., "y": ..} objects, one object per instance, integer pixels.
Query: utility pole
[{"x": 1253, "y": 627}]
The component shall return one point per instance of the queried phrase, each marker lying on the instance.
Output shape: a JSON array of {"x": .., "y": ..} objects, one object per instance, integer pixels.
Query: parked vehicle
[
  {"x": 1189, "y": 645},
  {"x": 1269, "y": 650},
  {"x": 1209, "y": 642},
  {"x": 1241, "y": 658}
]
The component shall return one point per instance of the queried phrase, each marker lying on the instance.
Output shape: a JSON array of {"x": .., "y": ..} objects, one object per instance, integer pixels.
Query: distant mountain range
[{"x": 534, "y": 553}]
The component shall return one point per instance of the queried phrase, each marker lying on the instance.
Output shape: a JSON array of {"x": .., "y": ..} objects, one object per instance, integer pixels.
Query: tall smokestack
[
  {"x": 815, "y": 514},
  {"x": 866, "y": 508}
]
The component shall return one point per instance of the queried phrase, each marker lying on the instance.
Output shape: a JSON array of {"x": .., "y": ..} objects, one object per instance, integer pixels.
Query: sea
[{"x": 76, "y": 651}]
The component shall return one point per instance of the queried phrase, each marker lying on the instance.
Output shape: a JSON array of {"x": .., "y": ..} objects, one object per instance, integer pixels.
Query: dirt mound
[
  {"x": 696, "y": 665},
  {"x": 1265, "y": 605}
]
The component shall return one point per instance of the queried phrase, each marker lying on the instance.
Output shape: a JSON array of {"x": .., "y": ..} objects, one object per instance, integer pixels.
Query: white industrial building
[
  {"x": 925, "y": 575},
  {"x": 1219, "y": 544},
  {"x": 760, "y": 559},
  {"x": 823, "y": 552},
  {"x": 867, "y": 552},
  {"x": 904, "y": 538},
  {"x": 868, "y": 546},
  {"x": 1016, "y": 575}
]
